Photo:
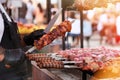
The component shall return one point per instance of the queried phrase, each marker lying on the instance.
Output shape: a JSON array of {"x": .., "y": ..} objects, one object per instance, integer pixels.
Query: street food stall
[
  {"x": 76, "y": 63},
  {"x": 99, "y": 63}
]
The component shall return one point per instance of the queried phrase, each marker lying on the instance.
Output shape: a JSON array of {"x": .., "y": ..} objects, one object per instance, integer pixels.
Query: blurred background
[{"x": 100, "y": 19}]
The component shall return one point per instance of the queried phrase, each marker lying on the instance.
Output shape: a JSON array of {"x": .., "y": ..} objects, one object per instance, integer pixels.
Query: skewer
[
  {"x": 71, "y": 62},
  {"x": 71, "y": 66}
]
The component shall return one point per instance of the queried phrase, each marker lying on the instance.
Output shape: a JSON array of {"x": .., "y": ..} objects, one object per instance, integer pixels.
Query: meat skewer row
[
  {"x": 57, "y": 65},
  {"x": 34, "y": 56},
  {"x": 42, "y": 54},
  {"x": 52, "y": 62},
  {"x": 44, "y": 59},
  {"x": 60, "y": 30}
]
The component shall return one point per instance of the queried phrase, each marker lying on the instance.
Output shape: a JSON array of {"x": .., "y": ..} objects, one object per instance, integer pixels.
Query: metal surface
[
  {"x": 69, "y": 73},
  {"x": 52, "y": 21},
  {"x": 30, "y": 50},
  {"x": 71, "y": 62},
  {"x": 71, "y": 67}
]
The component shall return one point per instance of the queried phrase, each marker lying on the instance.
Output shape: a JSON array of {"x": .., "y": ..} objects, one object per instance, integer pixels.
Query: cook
[{"x": 12, "y": 59}]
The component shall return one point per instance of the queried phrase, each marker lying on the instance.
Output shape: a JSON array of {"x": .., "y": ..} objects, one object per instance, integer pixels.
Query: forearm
[
  {"x": 1, "y": 57},
  {"x": 1, "y": 54}
]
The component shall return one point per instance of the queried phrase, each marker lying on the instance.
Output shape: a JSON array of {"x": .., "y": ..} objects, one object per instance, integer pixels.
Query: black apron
[
  {"x": 9, "y": 73},
  {"x": 11, "y": 40},
  {"x": 11, "y": 37}
]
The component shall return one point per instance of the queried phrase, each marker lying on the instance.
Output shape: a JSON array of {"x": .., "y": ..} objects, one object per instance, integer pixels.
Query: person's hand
[
  {"x": 13, "y": 57},
  {"x": 2, "y": 50},
  {"x": 1, "y": 57},
  {"x": 29, "y": 39}
]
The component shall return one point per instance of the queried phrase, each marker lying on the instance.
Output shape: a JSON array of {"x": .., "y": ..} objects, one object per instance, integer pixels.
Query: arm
[{"x": 1, "y": 57}]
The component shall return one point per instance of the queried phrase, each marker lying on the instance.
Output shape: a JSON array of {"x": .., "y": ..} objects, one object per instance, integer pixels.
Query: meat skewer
[{"x": 60, "y": 30}]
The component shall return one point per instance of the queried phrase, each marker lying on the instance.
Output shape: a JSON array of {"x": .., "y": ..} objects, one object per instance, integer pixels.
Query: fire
[{"x": 109, "y": 72}]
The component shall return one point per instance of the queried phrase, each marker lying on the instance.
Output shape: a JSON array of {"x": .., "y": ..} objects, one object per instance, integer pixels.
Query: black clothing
[
  {"x": 13, "y": 72},
  {"x": 11, "y": 40},
  {"x": 11, "y": 37}
]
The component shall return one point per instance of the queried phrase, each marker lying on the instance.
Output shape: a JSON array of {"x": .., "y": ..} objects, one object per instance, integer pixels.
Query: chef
[{"x": 12, "y": 60}]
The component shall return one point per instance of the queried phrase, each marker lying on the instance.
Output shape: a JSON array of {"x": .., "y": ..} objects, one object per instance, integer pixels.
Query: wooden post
[
  {"x": 81, "y": 29},
  {"x": 48, "y": 11},
  {"x": 63, "y": 38},
  {"x": 84, "y": 75}
]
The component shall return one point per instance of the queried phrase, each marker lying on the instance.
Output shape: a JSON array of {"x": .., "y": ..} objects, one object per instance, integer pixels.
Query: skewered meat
[
  {"x": 91, "y": 58},
  {"x": 44, "y": 61},
  {"x": 34, "y": 56},
  {"x": 60, "y": 30},
  {"x": 51, "y": 64}
]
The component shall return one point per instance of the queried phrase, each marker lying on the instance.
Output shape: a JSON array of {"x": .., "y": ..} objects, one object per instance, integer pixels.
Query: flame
[{"x": 111, "y": 70}]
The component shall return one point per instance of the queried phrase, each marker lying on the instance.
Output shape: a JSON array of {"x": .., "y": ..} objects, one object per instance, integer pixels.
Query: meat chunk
[{"x": 60, "y": 30}]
